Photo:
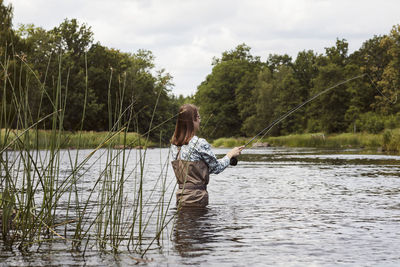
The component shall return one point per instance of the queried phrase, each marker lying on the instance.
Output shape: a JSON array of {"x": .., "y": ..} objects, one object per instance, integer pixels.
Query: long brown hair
[{"x": 184, "y": 129}]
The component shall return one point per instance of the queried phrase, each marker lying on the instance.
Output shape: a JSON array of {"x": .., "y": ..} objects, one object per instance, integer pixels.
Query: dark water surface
[{"x": 277, "y": 207}]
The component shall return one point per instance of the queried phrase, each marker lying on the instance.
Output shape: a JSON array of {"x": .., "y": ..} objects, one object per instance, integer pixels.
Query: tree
[
  {"x": 14, "y": 75},
  {"x": 266, "y": 103},
  {"x": 224, "y": 97},
  {"x": 290, "y": 95},
  {"x": 277, "y": 93},
  {"x": 390, "y": 82},
  {"x": 371, "y": 60},
  {"x": 327, "y": 112},
  {"x": 275, "y": 61},
  {"x": 338, "y": 54},
  {"x": 305, "y": 71},
  {"x": 7, "y": 36}
]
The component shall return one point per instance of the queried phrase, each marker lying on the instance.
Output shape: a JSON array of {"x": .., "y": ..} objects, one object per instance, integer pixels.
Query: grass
[
  {"x": 83, "y": 139},
  {"x": 388, "y": 140},
  {"x": 229, "y": 142},
  {"x": 391, "y": 140},
  {"x": 343, "y": 140}
]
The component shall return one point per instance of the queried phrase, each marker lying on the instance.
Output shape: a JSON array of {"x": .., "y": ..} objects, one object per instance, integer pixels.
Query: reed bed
[{"x": 43, "y": 173}]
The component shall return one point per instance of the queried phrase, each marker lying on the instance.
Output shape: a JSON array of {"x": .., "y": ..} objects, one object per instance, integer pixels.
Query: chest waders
[{"x": 192, "y": 178}]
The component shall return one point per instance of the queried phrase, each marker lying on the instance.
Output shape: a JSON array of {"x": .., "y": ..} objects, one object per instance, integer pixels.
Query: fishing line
[
  {"x": 266, "y": 130},
  {"x": 376, "y": 88}
]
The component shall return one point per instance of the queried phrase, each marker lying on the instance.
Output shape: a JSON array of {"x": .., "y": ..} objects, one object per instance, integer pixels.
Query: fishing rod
[{"x": 234, "y": 160}]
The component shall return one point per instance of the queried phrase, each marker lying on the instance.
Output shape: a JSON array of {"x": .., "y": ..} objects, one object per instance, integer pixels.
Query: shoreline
[{"x": 387, "y": 141}]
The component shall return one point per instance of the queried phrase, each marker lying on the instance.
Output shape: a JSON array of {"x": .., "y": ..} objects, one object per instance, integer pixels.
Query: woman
[{"x": 193, "y": 159}]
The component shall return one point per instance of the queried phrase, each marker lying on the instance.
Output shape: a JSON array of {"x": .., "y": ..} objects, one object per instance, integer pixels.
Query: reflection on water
[
  {"x": 277, "y": 207},
  {"x": 193, "y": 232}
]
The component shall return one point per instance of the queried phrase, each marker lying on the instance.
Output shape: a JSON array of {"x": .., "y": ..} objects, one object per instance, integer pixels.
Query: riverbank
[
  {"x": 388, "y": 140},
  {"x": 41, "y": 139}
]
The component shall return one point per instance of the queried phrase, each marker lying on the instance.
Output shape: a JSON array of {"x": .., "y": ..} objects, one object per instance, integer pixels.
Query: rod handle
[{"x": 233, "y": 161}]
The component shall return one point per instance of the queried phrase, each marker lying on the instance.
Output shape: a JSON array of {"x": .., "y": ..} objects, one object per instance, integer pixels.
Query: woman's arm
[{"x": 216, "y": 165}]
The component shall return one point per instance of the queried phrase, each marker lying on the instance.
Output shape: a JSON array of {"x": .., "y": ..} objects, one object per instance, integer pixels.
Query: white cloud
[{"x": 184, "y": 35}]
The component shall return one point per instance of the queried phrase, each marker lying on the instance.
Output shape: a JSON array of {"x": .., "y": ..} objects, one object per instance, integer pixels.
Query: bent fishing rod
[{"x": 234, "y": 160}]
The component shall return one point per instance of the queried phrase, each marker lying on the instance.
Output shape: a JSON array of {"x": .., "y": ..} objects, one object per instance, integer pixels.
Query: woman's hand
[{"x": 235, "y": 152}]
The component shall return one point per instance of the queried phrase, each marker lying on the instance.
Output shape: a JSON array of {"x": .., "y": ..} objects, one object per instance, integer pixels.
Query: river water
[{"x": 277, "y": 207}]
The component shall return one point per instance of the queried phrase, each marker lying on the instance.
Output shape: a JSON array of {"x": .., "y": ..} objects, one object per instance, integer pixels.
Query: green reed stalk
[
  {"x": 39, "y": 190},
  {"x": 120, "y": 203},
  {"x": 78, "y": 229},
  {"x": 142, "y": 162}
]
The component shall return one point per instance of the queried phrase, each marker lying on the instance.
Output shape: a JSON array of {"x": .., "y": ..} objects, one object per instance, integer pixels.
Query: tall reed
[{"x": 43, "y": 192}]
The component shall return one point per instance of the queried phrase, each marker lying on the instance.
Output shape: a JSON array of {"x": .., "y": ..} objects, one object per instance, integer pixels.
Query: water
[{"x": 277, "y": 207}]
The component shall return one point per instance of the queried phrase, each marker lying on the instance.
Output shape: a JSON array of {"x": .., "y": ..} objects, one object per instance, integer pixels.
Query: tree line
[
  {"x": 243, "y": 95},
  {"x": 63, "y": 66},
  {"x": 95, "y": 84}
]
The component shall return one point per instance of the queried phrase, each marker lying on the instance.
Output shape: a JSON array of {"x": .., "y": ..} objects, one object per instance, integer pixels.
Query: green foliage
[
  {"x": 257, "y": 93},
  {"x": 329, "y": 109},
  {"x": 276, "y": 93},
  {"x": 275, "y": 61},
  {"x": 265, "y": 104},
  {"x": 9, "y": 42},
  {"x": 181, "y": 100},
  {"x": 344, "y": 140},
  {"x": 85, "y": 139},
  {"x": 390, "y": 82},
  {"x": 297, "y": 140},
  {"x": 374, "y": 123},
  {"x": 240, "y": 97},
  {"x": 94, "y": 83},
  {"x": 224, "y": 97},
  {"x": 228, "y": 142},
  {"x": 391, "y": 140},
  {"x": 290, "y": 96}
]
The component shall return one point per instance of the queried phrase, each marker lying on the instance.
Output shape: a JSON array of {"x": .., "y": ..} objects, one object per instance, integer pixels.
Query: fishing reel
[{"x": 233, "y": 161}]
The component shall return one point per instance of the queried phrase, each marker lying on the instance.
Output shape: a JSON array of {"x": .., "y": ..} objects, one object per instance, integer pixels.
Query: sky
[{"x": 185, "y": 35}]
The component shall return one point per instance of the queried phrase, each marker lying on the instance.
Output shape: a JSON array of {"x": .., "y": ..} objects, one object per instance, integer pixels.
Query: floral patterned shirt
[{"x": 200, "y": 149}]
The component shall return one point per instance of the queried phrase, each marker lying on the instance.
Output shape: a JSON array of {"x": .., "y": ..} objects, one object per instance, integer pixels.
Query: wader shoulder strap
[{"x": 178, "y": 154}]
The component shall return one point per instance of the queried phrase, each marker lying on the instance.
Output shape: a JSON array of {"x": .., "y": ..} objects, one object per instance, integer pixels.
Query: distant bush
[
  {"x": 374, "y": 123},
  {"x": 391, "y": 140}
]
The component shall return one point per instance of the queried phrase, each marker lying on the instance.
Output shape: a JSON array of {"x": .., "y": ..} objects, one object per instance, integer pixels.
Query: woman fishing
[{"x": 194, "y": 159}]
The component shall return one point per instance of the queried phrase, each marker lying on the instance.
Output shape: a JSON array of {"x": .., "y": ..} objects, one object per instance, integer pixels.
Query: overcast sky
[{"x": 184, "y": 35}]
